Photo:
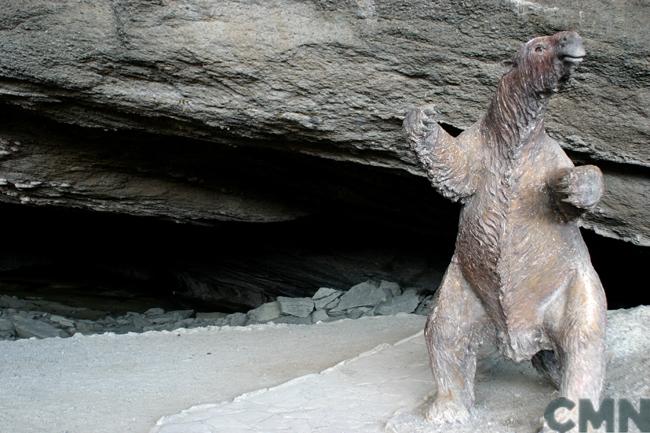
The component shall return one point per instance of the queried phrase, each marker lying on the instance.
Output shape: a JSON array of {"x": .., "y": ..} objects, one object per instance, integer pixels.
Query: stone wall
[{"x": 330, "y": 79}]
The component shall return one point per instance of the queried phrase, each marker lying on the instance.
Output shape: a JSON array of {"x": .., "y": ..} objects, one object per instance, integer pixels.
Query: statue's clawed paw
[
  {"x": 421, "y": 121},
  {"x": 429, "y": 114},
  {"x": 581, "y": 186},
  {"x": 445, "y": 410}
]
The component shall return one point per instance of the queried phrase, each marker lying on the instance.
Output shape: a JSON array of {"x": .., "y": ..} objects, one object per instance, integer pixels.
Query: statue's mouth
[
  {"x": 572, "y": 52},
  {"x": 573, "y": 59}
]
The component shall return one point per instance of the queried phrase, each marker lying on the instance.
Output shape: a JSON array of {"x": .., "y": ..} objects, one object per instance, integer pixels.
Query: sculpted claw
[
  {"x": 420, "y": 122},
  {"x": 580, "y": 187}
]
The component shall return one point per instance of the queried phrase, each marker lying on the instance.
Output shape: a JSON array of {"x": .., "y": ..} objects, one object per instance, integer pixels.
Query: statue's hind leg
[
  {"x": 455, "y": 327},
  {"x": 580, "y": 340},
  {"x": 548, "y": 365}
]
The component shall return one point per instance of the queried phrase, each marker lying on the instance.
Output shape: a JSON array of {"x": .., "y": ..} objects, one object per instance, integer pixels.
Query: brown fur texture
[{"x": 521, "y": 275}]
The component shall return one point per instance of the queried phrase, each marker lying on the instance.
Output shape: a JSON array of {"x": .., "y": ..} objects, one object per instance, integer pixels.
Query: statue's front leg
[
  {"x": 450, "y": 163},
  {"x": 578, "y": 189},
  {"x": 456, "y": 325}
]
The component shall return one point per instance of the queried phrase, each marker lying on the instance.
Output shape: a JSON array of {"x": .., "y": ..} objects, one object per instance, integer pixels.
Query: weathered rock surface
[
  {"x": 21, "y": 322},
  {"x": 7, "y": 328},
  {"x": 298, "y": 307},
  {"x": 27, "y": 327},
  {"x": 405, "y": 303},
  {"x": 319, "y": 316},
  {"x": 391, "y": 287},
  {"x": 323, "y": 77},
  {"x": 325, "y": 296},
  {"x": 363, "y": 295},
  {"x": 265, "y": 312},
  {"x": 237, "y": 319}
]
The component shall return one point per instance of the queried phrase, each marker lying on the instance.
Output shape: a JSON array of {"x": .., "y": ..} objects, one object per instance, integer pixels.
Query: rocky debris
[
  {"x": 368, "y": 298},
  {"x": 15, "y": 303},
  {"x": 323, "y": 293},
  {"x": 390, "y": 286},
  {"x": 236, "y": 319},
  {"x": 88, "y": 327},
  {"x": 62, "y": 321},
  {"x": 329, "y": 301},
  {"x": 424, "y": 307},
  {"x": 404, "y": 303},
  {"x": 293, "y": 320},
  {"x": 27, "y": 328},
  {"x": 52, "y": 307},
  {"x": 298, "y": 307},
  {"x": 320, "y": 316},
  {"x": 265, "y": 312},
  {"x": 363, "y": 294},
  {"x": 326, "y": 297},
  {"x": 154, "y": 312},
  {"x": 355, "y": 313},
  {"x": 171, "y": 316},
  {"x": 214, "y": 315},
  {"x": 6, "y": 329}
]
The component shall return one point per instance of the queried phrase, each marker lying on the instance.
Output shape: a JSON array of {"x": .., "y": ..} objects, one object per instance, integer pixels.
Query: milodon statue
[{"x": 521, "y": 275}]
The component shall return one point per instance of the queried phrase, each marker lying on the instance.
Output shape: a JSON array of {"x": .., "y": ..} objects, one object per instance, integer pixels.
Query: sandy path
[{"x": 124, "y": 383}]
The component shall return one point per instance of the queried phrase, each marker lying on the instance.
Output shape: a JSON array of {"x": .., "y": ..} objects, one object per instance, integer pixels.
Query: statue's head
[{"x": 544, "y": 63}]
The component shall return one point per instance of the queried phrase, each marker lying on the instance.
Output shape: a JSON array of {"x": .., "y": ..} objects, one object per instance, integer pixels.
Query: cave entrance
[{"x": 116, "y": 263}]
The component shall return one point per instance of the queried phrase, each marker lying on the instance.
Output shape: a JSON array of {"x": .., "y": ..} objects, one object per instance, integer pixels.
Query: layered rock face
[{"x": 330, "y": 79}]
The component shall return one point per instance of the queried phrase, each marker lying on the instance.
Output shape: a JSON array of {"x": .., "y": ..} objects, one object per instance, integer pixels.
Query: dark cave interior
[
  {"x": 120, "y": 263},
  {"x": 360, "y": 222}
]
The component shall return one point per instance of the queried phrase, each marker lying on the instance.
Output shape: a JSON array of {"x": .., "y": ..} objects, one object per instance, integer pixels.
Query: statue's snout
[{"x": 571, "y": 48}]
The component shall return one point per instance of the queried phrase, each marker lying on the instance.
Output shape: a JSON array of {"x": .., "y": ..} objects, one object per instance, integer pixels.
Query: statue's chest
[
  {"x": 480, "y": 243},
  {"x": 508, "y": 198},
  {"x": 484, "y": 220}
]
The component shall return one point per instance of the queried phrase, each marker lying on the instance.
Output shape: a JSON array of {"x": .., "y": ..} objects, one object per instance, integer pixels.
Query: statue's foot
[{"x": 447, "y": 410}]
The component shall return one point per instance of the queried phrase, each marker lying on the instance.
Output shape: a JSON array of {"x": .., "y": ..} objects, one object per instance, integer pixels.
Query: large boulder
[{"x": 325, "y": 78}]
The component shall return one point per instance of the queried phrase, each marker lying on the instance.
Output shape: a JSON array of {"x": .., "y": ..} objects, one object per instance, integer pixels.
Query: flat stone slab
[
  {"x": 387, "y": 388},
  {"x": 298, "y": 307},
  {"x": 123, "y": 383},
  {"x": 325, "y": 297},
  {"x": 27, "y": 328},
  {"x": 265, "y": 312},
  {"x": 405, "y": 303},
  {"x": 366, "y": 294}
]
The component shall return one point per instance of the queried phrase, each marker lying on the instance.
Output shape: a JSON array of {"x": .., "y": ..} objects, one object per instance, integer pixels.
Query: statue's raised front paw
[
  {"x": 419, "y": 122},
  {"x": 446, "y": 410},
  {"x": 580, "y": 187}
]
